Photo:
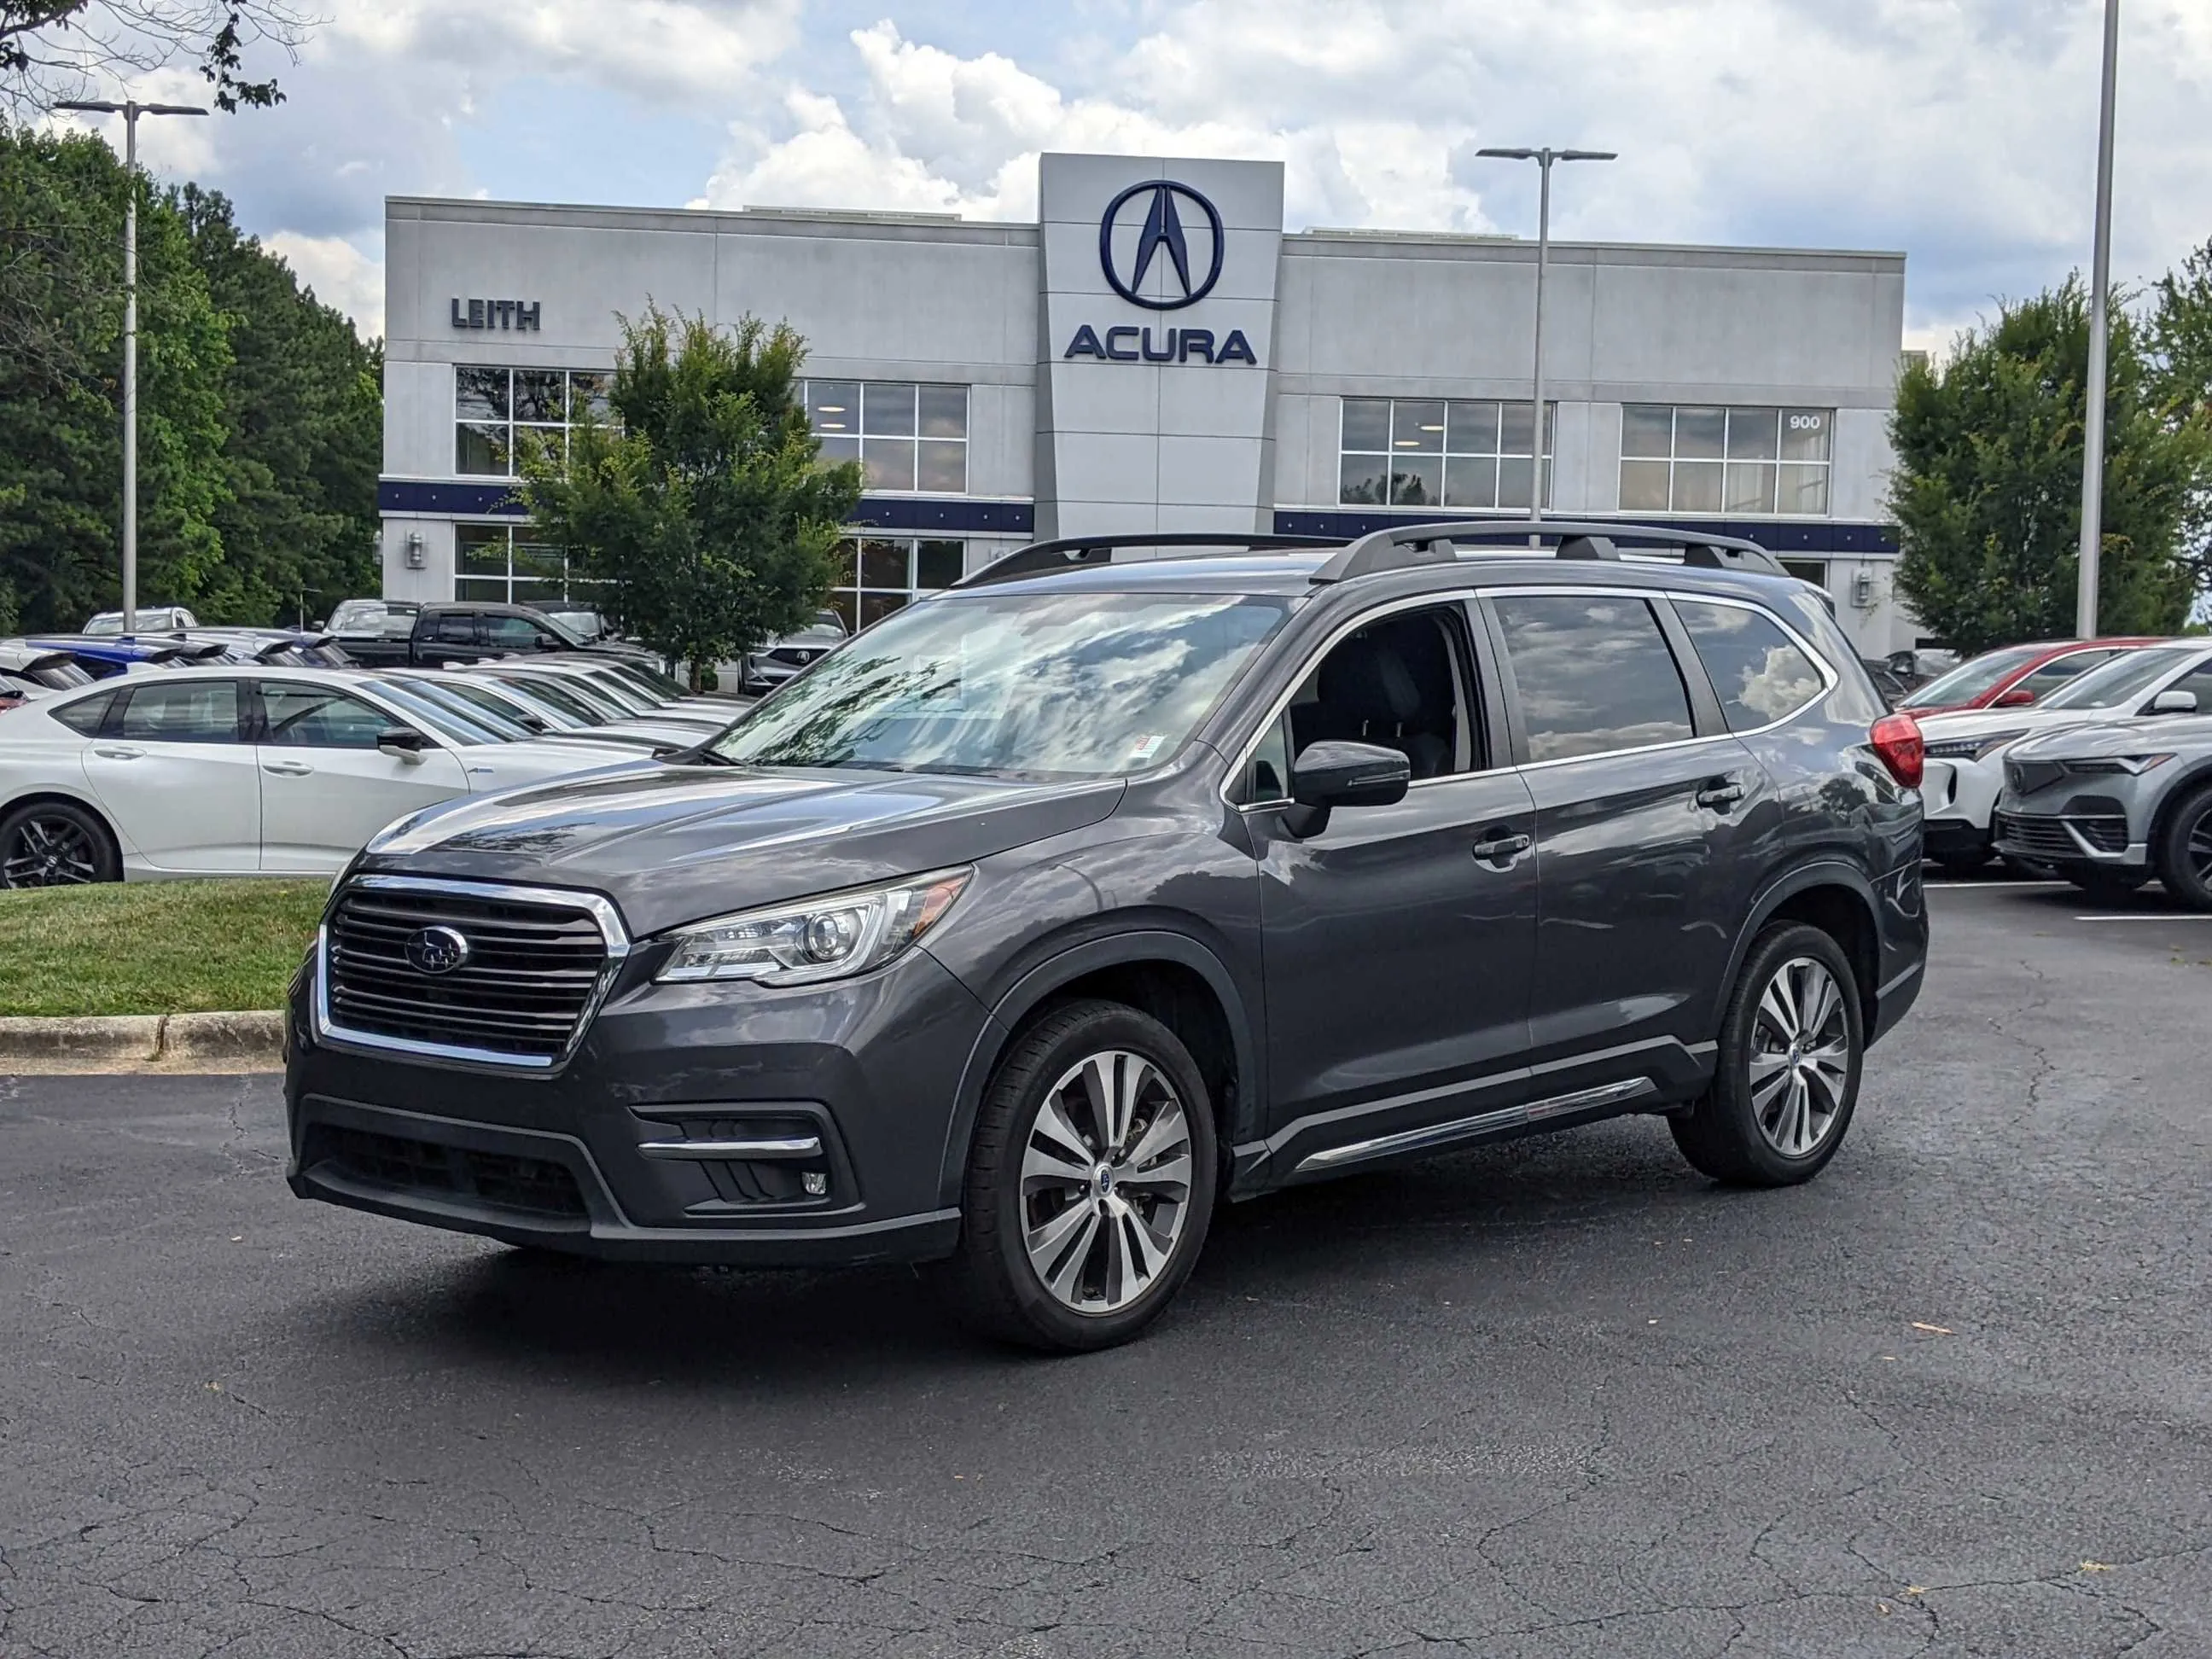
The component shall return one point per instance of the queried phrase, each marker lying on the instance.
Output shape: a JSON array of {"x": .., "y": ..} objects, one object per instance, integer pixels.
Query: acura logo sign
[
  {"x": 436, "y": 950},
  {"x": 1177, "y": 232}
]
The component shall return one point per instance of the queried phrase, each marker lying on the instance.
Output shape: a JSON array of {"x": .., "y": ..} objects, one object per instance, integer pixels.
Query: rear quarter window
[
  {"x": 86, "y": 715},
  {"x": 1759, "y": 672}
]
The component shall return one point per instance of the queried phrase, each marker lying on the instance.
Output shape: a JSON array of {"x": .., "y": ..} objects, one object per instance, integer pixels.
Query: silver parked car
[
  {"x": 2111, "y": 806},
  {"x": 770, "y": 664}
]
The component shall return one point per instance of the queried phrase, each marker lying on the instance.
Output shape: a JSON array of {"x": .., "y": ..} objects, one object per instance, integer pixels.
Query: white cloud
[{"x": 341, "y": 275}]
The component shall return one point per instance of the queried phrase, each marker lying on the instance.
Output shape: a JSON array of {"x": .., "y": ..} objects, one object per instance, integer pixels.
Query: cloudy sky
[{"x": 1962, "y": 131}]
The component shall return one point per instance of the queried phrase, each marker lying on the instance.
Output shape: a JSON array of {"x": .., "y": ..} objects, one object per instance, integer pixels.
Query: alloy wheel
[
  {"x": 1801, "y": 1057},
  {"x": 49, "y": 852},
  {"x": 2199, "y": 848},
  {"x": 1106, "y": 1181}
]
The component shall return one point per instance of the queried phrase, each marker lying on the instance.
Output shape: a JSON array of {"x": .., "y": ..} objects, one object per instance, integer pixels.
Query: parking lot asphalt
[{"x": 1559, "y": 1398}]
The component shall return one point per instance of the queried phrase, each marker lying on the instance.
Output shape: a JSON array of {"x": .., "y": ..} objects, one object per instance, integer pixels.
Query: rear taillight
[{"x": 1896, "y": 738}]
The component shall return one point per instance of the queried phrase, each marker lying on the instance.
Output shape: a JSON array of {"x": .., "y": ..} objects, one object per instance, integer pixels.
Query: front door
[
  {"x": 325, "y": 787},
  {"x": 174, "y": 769},
  {"x": 1398, "y": 939},
  {"x": 1641, "y": 798}
]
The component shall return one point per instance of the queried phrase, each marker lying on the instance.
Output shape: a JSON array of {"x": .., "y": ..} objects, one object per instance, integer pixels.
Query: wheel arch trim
[
  {"x": 1063, "y": 968},
  {"x": 1804, "y": 879},
  {"x": 84, "y": 800}
]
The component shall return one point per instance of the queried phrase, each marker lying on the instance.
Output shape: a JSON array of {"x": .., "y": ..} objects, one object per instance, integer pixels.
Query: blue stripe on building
[
  {"x": 949, "y": 516},
  {"x": 1822, "y": 536}
]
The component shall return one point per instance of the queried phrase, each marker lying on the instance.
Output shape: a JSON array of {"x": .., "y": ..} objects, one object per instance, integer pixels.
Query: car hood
[
  {"x": 672, "y": 844},
  {"x": 2184, "y": 736},
  {"x": 1982, "y": 722},
  {"x": 493, "y": 766}
]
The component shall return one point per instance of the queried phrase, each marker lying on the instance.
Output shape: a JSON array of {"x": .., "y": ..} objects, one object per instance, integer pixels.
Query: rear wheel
[
  {"x": 1787, "y": 1075},
  {"x": 2184, "y": 853},
  {"x": 55, "y": 843},
  {"x": 1090, "y": 1180}
]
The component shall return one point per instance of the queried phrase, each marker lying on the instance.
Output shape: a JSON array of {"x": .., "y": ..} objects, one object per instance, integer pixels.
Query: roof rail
[
  {"x": 1084, "y": 552},
  {"x": 1403, "y": 547}
]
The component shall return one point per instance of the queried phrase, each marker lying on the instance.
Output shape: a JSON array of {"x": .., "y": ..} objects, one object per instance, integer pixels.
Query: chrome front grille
[
  {"x": 2049, "y": 837},
  {"x": 535, "y": 964}
]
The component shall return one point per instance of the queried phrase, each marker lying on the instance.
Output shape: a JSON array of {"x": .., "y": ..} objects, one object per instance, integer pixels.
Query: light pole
[
  {"x": 130, "y": 110},
  {"x": 2100, "y": 277},
  {"x": 1543, "y": 159}
]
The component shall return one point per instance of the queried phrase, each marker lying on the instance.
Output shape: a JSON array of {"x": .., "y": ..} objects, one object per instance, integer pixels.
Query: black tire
[
  {"x": 2184, "y": 853},
  {"x": 1741, "y": 1131},
  {"x": 56, "y": 843},
  {"x": 991, "y": 1282},
  {"x": 2106, "y": 886}
]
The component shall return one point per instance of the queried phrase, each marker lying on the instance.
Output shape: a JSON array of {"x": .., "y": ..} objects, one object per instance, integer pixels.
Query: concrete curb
[{"x": 252, "y": 1041}]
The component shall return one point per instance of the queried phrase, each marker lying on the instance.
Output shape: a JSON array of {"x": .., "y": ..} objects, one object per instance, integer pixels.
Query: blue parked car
[{"x": 105, "y": 658}]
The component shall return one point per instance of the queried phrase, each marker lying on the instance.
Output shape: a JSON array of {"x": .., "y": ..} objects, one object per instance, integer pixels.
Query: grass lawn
[{"x": 161, "y": 947}]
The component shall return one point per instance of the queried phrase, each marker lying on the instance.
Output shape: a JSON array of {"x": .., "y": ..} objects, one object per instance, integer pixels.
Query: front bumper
[
  {"x": 851, "y": 1084},
  {"x": 1959, "y": 797},
  {"x": 2071, "y": 841}
]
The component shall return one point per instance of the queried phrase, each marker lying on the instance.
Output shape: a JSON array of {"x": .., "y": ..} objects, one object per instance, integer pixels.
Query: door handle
[
  {"x": 1495, "y": 847},
  {"x": 1720, "y": 793},
  {"x": 118, "y": 751},
  {"x": 288, "y": 768}
]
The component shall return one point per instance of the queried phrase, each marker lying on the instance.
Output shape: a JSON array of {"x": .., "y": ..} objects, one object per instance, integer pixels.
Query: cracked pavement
[{"x": 1559, "y": 1398}]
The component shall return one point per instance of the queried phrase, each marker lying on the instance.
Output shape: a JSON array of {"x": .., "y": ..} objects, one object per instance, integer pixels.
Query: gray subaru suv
[{"x": 1127, "y": 876}]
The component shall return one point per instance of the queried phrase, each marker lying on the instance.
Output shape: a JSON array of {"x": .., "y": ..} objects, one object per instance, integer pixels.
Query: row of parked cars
[
  {"x": 2092, "y": 758},
  {"x": 248, "y": 752}
]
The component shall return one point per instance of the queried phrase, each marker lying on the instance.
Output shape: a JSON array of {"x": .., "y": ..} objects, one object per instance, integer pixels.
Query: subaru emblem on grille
[{"x": 437, "y": 950}]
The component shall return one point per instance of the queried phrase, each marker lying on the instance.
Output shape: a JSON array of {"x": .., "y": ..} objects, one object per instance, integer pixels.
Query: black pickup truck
[{"x": 470, "y": 631}]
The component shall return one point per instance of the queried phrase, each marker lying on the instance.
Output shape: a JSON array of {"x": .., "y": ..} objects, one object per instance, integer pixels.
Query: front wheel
[
  {"x": 2185, "y": 851},
  {"x": 1787, "y": 1075},
  {"x": 1089, "y": 1184}
]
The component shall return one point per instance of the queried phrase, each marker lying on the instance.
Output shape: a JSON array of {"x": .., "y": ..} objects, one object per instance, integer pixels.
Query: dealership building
[{"x": 1158, "y": 353}]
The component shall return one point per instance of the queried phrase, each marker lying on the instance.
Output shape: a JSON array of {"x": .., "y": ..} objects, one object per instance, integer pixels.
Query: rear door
[
  {"x": 325, "y": 787},
  {"x": 173, "y": 767},
  {"x": 448, "y": 636},
  {"x": 1644, "y": 864}
]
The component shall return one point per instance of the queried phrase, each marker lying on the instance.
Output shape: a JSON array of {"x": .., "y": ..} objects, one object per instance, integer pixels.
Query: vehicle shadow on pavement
[{"x": 1601, "y": 1190}]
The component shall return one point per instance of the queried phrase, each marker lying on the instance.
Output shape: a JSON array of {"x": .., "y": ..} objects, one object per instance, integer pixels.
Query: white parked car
[
  {"x": 237, "y": 771},
  {"x": 1964, "y": 766},
  {"x": 150, "y": 619}
]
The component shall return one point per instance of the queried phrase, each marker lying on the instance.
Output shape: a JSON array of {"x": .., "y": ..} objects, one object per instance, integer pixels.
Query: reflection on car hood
[
  {"x": 1983, "y": 722},
  {"x": 672, "y": 844},
  {"x": 2186, "y": 735}
]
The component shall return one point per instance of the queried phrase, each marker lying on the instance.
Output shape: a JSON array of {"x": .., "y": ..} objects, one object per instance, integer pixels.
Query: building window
[
  {"x": 1459, "y": 453},
  {"x": 879, "y": 575},
  {"x": 492, "y": 406},
  {"x": 500, "y": 562},
  {"x": 905, "y": 436},
  {"x": 1700, "y": 459}
]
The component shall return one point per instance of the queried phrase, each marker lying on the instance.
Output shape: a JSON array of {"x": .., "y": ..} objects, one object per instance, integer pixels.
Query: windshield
[
  {"x": 2119, "y": 680},
  {"x": 1969, "y": 680},
  {"x": 548, "y": 688},
  {"x": 1016, "y": 686},
  {"x": 460, "y": 706},
  {"x": 609, "y": 688},
  {"x": 497, "y": 707},
  {"x": 660, "y": 684},
  {"x": 58, "y": 675},
  {"x": 466, "y": 730}
]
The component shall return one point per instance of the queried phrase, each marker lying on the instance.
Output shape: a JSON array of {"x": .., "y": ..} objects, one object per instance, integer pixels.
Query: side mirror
[
  {"x": 1329, "y": 775},
  {"x": 318, "y": 626},
  {"x": 547, "y": 643},
  {"x": 2176, "y": 702},
  {"x": 403, "y": 743},
  {"x": 531, "y": 723},
  {"x": 2014, "y": 698}
]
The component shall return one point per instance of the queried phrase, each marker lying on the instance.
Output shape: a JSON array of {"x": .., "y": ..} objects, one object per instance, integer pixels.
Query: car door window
[
  {"x": 195, "y": 711},
  {"x": 2059, "y": 670},
  {"x": 1759, "y": 674},
  {"x": 513, "y": 633},
  {"x": 1399, "y": 683},
  {"x": 2199, "y": 681},
  {"x": 453, "y": 628},
  {"x": 318, "y": 717},
  {"x": 86, "y": 715},
  {"x": 1594, "y": 674}
]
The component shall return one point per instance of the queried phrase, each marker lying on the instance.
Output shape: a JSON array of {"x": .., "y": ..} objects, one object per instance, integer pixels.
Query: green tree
[
  {"x": 2181, "y": 329},
  {"x": 1987, "y": 487},
  {"x": 61, "y": 445},
  {"x": 706, "y": 506},
  {"x": 304, "y": 405}
]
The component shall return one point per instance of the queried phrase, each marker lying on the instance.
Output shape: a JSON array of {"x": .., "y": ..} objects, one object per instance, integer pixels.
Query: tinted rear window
[
  {"x": 1757, "y": 671},
  {"x": 1594, "y": 672}
]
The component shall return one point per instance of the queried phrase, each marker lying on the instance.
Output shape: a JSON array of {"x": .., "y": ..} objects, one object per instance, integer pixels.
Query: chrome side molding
[
  {"x": 1483, "y": 1123},
  {"x": 767, "y": 1147}
]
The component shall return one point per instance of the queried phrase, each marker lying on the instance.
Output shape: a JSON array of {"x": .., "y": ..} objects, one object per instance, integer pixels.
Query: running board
[{"x": 1467, "y": 1128}]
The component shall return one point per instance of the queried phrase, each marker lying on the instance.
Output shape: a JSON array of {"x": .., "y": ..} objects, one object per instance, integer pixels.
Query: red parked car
[{"x": 2015, "y": 676}]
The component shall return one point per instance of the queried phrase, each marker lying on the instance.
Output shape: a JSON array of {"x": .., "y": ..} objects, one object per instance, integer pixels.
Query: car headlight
[
  {"x": 2105, "y": 765},
  {"x": 1971, "y": 749},
  {"x": 832, "y": 937}
]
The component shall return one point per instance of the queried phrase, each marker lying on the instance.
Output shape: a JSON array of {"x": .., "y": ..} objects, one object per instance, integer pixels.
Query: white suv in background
[{"x": 1964, "y": 764}]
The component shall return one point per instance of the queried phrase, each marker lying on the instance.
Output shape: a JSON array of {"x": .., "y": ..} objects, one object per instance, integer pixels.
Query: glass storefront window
[
  {"x": 878, "y": 574},
  {"x": 1431, "y": 452},
  {"x": 497, "y": 411},
  {"x": 1703, "y": 459},
  {"x": 909, "y": 437},
  {"x": 497, "y": 561}
]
